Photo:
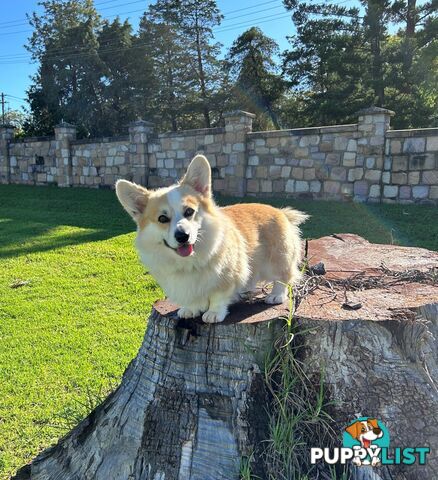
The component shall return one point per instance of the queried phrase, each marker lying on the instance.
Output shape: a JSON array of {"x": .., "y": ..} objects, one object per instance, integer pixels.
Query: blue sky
[{"x": 15, "y": 68}]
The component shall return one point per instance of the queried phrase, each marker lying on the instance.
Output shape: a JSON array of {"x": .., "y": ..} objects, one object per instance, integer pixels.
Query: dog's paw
[
  {"x": 210, "y": 316},
  {"x": 375, "y": 461},
  {"x": 185, "y": 312},
  {"x": 357, "y": 461},
  {"x": 274, "y": 299}
]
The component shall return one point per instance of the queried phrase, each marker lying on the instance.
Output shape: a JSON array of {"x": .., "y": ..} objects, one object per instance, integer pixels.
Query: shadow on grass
[{"x": 37, "y": 219}]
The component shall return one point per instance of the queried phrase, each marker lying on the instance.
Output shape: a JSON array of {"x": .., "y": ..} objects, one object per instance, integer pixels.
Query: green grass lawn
[{"x": 74, "y": 299}]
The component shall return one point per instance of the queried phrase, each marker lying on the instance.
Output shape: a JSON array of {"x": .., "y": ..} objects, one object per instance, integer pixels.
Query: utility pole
[{"x": 3, "y": 108}]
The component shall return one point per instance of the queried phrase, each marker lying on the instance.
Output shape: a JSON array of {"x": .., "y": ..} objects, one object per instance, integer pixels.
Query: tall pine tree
[
  {"x": 327, "y": 62},
  {"x": 257, "y": 86},
  {"x": 68, "y": 82},
  {"x": 123, "y": 100},
  {"x": 174, "y": 79},
  {"x": 196, "y": 20}
]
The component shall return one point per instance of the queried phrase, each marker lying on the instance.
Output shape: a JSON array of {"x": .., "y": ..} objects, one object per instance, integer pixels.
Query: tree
[
  {"x": 127, "y": 79},
  {"x": 342, "y": 61},
  {"x": 67, "y": 85},
  {"x": 196, "y": 19},
  {"x": 378, "y": 16},
  {"x": 327, "y": 63},
  {"x": 16, "y": 118},
  {"x": 164, "y": 46},
  {"x": 411, "y": 69},
  {"x": 257, "y": 86}
]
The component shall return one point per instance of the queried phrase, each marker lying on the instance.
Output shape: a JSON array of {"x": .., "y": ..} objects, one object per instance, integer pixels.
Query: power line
[
  {"x": 113, "y": 50},
  {"x": 249, "y": 8},
  {"x": 219, "y": 29},
  {"x": 22, "y": 22},
  {"x": 13, "y": 96},
  {"x": 277, "y": 16}
]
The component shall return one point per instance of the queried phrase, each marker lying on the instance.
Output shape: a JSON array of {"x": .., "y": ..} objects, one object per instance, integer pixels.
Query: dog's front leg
[{"x": 218, "y": 308}]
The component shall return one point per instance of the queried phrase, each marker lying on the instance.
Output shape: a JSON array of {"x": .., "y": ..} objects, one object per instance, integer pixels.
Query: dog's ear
[
  {"x": 373, "y": 422},
  {"x": 198, "y": 175},
  {"x": 354, "y": 430},
  {"x": 133, "y": 197}
]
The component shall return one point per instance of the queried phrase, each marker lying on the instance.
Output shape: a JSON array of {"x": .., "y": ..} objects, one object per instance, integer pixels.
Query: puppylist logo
[{"x": 366, "y": 442}]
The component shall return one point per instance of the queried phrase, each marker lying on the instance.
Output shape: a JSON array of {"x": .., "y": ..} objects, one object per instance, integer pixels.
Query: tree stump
[
  {"x": 373, "y": 324},
  {"x": 193, "y": 401},
  {"x": 190, "y": 405}
]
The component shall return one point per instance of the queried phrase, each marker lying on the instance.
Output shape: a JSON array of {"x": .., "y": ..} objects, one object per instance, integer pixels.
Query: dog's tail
[{"x": 295, "y": 217}]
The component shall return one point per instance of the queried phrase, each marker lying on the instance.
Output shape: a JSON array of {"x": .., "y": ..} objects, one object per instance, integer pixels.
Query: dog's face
[
  {"x": 171, "y": 217},
  {"x": 365, "y": 431}
]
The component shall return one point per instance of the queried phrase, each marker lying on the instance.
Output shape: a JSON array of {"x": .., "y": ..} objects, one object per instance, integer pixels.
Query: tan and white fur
[{"x": 204, "y": 256}]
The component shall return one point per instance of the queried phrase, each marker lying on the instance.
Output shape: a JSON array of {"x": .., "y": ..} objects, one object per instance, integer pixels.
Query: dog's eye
[
  {"x": 189, "y": 212},
  {"x": 163, "y": 219}
]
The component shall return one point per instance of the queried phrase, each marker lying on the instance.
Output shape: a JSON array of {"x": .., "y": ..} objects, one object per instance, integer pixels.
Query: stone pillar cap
[
  {"x": 238, "y": 113},
  {"x": 141, "y": 123},
  {"x": 63, "y": 124},
  {"x": 375, "y": 111}
]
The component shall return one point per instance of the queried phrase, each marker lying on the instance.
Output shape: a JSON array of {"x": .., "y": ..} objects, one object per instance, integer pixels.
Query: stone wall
[
  {"x": 411, "y": 166},
  {"x": 314, "y": 162},
  {"x": 365, "y": 161},
  {"x": 100, "y": 161},
  {"x": 33, "y": 161}
]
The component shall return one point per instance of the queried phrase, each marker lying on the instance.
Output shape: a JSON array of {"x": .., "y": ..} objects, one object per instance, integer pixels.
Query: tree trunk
[
  {"x": 374, "y": 19},
  {"x": 190, "y": 405},
  {"x": 205, "y": 109},
  {"x": 374, "y": 328},
  {"x": 193, "y": 402},
  {"x": 409, "y": 47}
]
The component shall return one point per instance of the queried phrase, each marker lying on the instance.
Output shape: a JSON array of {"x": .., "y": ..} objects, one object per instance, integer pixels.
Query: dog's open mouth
[
  {"x": 183, "y": 250},
  {"x": 366, "y": 443}
]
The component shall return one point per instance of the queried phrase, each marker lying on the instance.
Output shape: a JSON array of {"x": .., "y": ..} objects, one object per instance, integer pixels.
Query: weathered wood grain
[{"x": 189, "y": 406}]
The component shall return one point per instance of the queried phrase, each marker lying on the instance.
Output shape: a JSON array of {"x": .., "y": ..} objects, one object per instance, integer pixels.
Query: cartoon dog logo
[{"x": 366, "y": 432}]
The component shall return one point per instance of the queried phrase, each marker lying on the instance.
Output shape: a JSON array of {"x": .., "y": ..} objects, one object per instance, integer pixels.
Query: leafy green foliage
[
  {"x": 257, "y": 87},
  {"x": 195, "y": 20},
  {"x": 345, "y": 58},
  {"x": 68, "y": 82},
  {"x": 101, "y": 75}
]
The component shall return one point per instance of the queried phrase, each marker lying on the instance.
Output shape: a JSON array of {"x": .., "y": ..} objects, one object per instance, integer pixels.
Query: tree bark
[
  {"x": 374, "y": 329},
  {"x": 193, "y": 402},
  {"x": 190, "y": 405}
]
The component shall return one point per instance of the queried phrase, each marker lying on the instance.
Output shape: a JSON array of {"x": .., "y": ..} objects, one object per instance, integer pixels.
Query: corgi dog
[{"x": 203, "y": 256}]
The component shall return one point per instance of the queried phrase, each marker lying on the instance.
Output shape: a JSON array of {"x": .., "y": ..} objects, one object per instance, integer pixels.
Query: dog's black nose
[
  {"x": 377, "y": 431},
  {"x": 181, "y": 237}
]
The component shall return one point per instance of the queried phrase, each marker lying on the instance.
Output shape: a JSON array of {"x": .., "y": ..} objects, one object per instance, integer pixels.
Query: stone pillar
[
  {"x": 139, "y": 134},
  {"x": 372, "y": 126},
  {"x": 64, "y": 134},
  {"x": 6, "y": 135},
  {"x": 237, "y": 125}
]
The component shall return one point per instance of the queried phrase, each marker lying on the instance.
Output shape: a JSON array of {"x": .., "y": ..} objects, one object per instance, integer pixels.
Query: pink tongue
[{"x": 185, "y": 250}]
